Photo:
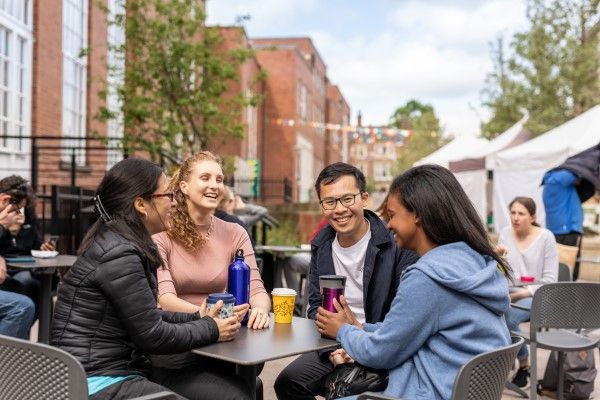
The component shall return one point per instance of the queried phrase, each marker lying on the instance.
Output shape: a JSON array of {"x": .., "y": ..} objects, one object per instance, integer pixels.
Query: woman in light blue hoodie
[{"x": 449, "y": 306}]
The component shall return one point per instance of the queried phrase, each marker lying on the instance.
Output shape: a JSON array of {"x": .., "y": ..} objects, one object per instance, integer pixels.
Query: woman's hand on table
[
  {"x": 240, "y": 311},
  {"x": 258, "y": 319},
  {"x": 329, "y": 323}
]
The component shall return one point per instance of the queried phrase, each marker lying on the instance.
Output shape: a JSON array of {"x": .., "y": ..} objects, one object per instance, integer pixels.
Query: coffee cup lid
[
  {"x": 226, "y": 297},
  {"x": 283, "y": 292}
]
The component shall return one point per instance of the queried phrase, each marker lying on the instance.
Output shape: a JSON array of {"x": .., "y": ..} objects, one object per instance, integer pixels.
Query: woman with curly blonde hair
[{"x": 198, "y": 247}]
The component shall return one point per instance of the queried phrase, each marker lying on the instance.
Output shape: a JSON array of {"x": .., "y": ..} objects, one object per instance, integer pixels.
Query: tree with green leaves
[
  {"x": 502, "y": 94},
  {"x": 426, "y": 134},
  {"x": 175, "y": 92},
  {"x": 553, "y": 71}
]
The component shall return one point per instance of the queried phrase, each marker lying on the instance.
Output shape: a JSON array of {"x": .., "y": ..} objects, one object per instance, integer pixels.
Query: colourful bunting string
[{"x": 365, "y": 134}]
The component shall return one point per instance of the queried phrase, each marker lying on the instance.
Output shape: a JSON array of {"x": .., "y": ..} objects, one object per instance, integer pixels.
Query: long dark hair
[
  {"x": 529, "y": 205},
  {"x": 446, "y": 213},
  {"x": 122, "y": 184}
]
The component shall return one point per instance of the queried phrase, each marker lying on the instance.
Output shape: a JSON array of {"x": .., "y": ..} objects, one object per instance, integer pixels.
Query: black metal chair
[
  {"x": 561, "y": 306},
  {"x": 482, "y": 378},
  {"x": 38, "y": 371}
]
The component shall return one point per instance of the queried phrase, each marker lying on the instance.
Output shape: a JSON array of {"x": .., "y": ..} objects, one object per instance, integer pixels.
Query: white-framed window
[
  {"x": 15, "y": 73},
  {"x": 359, "y": 151},
  {"x": 116, "y": 63},
  {"x": 75, "y": 27},
  {"x": 382, "y": 171},
  {"x": 252, "y": 122},
  {"x": 302, "y": 100}
]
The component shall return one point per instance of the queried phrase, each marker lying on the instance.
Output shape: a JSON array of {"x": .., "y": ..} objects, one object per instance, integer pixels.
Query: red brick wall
[
  {"x": 287, "y": 65},
  {"x": 337, "y": 112},
  {"x": 46, "y": 107}
]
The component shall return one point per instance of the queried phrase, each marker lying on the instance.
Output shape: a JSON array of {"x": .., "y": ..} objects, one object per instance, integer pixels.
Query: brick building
[
  {"x": 50, "y": 89},
  {"x": 337, "y": 113},
  {"x": 295, "y": 101},
  {"x": 374, "y": 151}
]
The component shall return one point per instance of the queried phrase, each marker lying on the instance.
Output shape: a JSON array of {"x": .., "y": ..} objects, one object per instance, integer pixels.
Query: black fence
[{"x": 264, "y": 189}]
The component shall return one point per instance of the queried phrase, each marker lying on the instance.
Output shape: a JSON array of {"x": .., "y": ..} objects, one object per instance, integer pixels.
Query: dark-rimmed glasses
[
  {"x": 170, "y": 195},
  {"x": 346, "y": 200}
]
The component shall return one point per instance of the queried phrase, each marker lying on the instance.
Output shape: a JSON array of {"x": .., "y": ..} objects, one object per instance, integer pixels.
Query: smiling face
[
  {"x": 158, "y": 208},
  {"x": 403, "y": 224},
  {"x": 520, "y": 218},
  {"x": 348, "y": 221},
  {"x": 203, "y": 188}
]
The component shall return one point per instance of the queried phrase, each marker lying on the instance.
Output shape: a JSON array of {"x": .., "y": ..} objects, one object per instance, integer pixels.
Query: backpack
[{"x": 579, "y": 375}]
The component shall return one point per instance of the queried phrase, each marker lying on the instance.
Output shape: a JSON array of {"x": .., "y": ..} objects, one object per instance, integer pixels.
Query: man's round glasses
[
  {"x": 346, "y": 200},
  {"x": 170, "y": 195}
]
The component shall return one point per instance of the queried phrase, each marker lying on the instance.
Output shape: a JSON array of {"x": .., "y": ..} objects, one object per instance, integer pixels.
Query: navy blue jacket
[{"x": 384, "y": 263}]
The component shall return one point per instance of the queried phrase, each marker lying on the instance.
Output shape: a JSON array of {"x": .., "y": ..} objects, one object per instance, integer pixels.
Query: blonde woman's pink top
[{"x": 193, "y": 274}]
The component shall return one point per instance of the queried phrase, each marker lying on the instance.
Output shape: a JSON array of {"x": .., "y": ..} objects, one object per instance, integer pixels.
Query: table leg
[
  {"x": 248, "y": 373},
  {"x": 45, "y": 312}
]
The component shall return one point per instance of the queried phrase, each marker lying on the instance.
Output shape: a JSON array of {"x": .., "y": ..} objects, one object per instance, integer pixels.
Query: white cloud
[{"x": 433, "y": 51}]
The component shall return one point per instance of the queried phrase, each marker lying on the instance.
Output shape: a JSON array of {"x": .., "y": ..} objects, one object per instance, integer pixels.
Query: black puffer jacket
[{"x": 106, "y": 313}]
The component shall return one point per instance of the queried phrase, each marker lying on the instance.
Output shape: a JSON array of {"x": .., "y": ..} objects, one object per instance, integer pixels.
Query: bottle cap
[
  {"x": 239, "y": 254},
  {"x": 226, "y": 297}
]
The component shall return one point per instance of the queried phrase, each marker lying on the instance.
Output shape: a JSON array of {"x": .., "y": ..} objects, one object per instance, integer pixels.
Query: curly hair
[{"x": 182, "y": 227}]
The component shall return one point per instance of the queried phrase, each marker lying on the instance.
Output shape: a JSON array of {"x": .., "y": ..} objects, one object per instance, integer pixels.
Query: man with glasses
[
  {"x": 16, "y": 311},
  {"x": 358, "y": 245}
]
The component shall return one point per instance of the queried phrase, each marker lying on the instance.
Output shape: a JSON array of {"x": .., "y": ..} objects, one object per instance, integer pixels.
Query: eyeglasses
[
  {"x": 346, "y": 200},
  {"x": 170, "y": 195}
]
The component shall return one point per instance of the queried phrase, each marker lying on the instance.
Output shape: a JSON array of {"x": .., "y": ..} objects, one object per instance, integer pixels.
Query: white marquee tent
[
  {"x": 457, "y": 149},
  {"x": 472, "y": 174},
  {"x": 518, "y": 171}
]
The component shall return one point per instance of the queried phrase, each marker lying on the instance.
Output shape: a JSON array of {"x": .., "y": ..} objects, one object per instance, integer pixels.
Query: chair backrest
[
  {"x": 483, "y": 377},
  {"x": 38, "y": 371},
  {"x": 564, "y": 273},
  {"x": 567, "y": 305}
]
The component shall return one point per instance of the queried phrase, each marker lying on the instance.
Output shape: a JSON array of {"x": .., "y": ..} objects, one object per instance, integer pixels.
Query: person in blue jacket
[{"x": 450, "y": 304}]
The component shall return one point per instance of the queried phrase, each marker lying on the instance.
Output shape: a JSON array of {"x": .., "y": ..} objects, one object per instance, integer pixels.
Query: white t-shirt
[{"x": 350, "y": 262}]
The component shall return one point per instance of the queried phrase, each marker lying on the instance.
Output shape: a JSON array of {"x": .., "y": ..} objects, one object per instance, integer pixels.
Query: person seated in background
[
  {"x": 356, "y": 244},
  {"x": 449, "y": 306},
  {"x": 16, "y": 311},
  {"x": 249, "y": 213},
  {"x": 226, "y": 208},
  {"x": 298, "y": 265},
  {"x": 21, "y": 236},
  {"x": 106, "y": 314},
  {"x": 531, "y": 251}
]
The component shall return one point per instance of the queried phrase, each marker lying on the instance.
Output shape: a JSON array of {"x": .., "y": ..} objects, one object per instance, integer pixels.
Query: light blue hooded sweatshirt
[{"x": 449, "y": 307}]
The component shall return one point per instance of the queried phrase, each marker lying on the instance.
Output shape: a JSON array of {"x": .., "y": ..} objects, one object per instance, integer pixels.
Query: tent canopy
[
  {"x": 518, "y": 171},
  {"x": 553, "y": 147},
  {"x": 457, "y": 149},
  {"x": 513, "y": 136}
]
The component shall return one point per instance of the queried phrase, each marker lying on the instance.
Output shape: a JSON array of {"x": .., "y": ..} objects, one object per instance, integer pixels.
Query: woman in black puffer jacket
[{"x": 106, "y": 314}]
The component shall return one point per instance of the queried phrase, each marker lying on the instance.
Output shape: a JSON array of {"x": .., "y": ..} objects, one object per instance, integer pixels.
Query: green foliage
[
  {"x": 553, "y": 71},
  {"x": 175, "y": 94},
  {"x": 426, "y": 134},
  {"x": 286, "y": 233}
]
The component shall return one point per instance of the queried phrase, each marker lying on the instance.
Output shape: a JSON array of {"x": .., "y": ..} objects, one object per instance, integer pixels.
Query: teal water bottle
[{"x": 238, "y": 281}]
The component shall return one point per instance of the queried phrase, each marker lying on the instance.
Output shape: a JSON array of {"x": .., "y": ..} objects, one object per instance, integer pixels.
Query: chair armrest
[
  {"x": 164, "y": 395},
  {"x": 375, "y": 396}
]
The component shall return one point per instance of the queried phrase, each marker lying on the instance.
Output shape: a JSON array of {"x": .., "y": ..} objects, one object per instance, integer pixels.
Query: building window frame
[
  {"x": 16, "y": 37},
  {"x": 74, "y": 83}
]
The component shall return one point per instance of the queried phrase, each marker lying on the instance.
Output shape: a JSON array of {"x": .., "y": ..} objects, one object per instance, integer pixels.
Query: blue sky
[{"x": 382, "y": 52}]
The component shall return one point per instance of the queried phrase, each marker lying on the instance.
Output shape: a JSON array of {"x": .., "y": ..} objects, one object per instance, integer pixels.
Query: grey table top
[
  {"x": 56, "y": 262},
  {"x": 251, "y": 347}
]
